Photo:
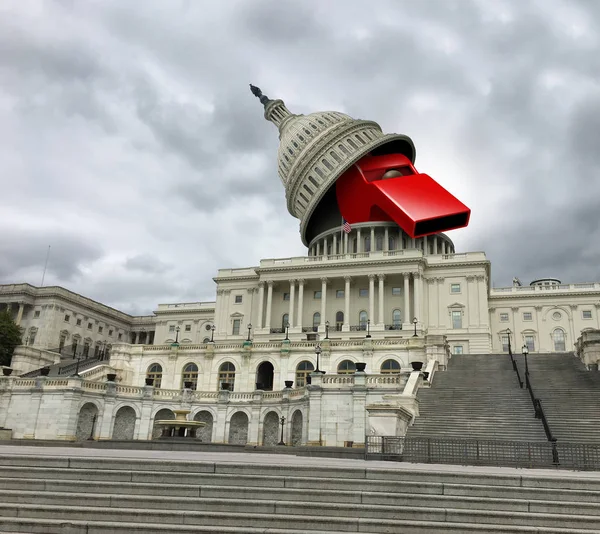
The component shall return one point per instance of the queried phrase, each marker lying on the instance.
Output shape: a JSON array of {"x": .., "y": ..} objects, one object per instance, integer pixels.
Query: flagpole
[{"x": 45, "y": 266}]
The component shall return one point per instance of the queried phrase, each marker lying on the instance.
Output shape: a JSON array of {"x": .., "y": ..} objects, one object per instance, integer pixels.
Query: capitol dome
[{"x": 315, "y": 150}]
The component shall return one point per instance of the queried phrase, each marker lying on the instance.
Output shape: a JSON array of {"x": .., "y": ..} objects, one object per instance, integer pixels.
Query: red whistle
[{"x": 389, "y": 188}]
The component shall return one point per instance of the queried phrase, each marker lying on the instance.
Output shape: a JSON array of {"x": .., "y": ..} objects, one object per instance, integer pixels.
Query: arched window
[
  {"x": 190, "y": 374},
  {"x": 302, "y": 371},
  {"x": 379, "y": 242},
  {"x": 368, "y": 243},
  {"x": 339, "y": 321},
  {"x": 362, "y": 320},
  {"x": 155, "y": 373},
  {"x": 226, "y": 375},
  {"x": 559, "y": 340},
  {"x": 316, "y": 321},
  {"x": 391, "y": 243},
  {"x": 346, "y": 368},
  {"x": 390, "y": 367},
  {"x": 206, "y": 340},
  {"x": 396, "y": 320},
  {"x": 285, "y": 320}
]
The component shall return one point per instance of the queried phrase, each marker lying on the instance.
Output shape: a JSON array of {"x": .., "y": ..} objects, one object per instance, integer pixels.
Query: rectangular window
[
  {"x": 110, "y": 333},
  {"x": 396, "y": 291},
  {"x": 172, "y": 328},
  {"x": 89, "y": 326},
  {"x": 587, "y": 314},
  {"x": 236, "y": 327},
  {"x": 527, "y": 316},
  {"x": 339, "y": 294},
  {"x": 363, "y": 292},
  {"x": 36, "y": 314},
  {"x": 504, "y": 317},
  {"x": 188, "y": 327},
  {"x": 120, "y": 336},
  {"x": 238, "y": 299},
  {"x": 454, "y": 288},
  {"x": 458, "y": 349},
  {"x": 317, "y": 294},
  {"x": 530, "y": 342},
  {"x": 504, "y": 339},
  {"x": 78, "y": 322},
  {"x": 456, "y": 319},
  {"x": 286, "y": 296},
  {"x": 100, "y": 329},
  {"x": 67, "y": 318}
]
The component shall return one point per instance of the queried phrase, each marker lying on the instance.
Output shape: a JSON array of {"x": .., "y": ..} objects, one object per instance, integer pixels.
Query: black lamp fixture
[
  {"x": 249, "y": 328},
  {"x": 212, "y": 333},
  {"x": 326, "y": 329},
  {"x": 287, "y": 327},
  {"x": 508, "y": 333},
  {"x": 525, "y": 353},
  {"x": 415, "y": 321},
  {"x": 318, "y": 353},
  {"x": 282, "y": 423},
  {"x": 368, "y": 327},
  {"x": 177, "y": 334},
  {"x": 76, "y": 373}
]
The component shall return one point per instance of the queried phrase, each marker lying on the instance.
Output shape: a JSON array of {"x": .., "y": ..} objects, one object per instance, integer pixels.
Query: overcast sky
[{"x": 130, "y": 142}]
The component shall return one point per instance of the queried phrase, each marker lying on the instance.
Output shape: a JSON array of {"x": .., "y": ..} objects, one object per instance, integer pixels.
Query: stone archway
[
  {"x": 264, "y": 376},
  {"x": 204, "y": 433},
  {"x": 297, "y": 428},
  {"x": 124, "y": 425},
  {"x": 163, "y": 414},
  {"x": 87, "y": 418},
  {"x": 271, "y": 430},
  {"x": 238, "y": 429}
]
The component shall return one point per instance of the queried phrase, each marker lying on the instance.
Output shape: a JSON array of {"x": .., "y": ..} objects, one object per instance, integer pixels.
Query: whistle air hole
[
  {"x": 441, "y": 224},
  {"x": 397, "y": 172}
]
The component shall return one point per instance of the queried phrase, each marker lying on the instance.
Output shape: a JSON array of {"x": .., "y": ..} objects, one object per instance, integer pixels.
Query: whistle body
[{"x": 389, "y": 188}]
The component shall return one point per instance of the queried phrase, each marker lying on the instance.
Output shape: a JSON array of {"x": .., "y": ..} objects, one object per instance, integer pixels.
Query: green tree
[{"x": 10, "y": 337}]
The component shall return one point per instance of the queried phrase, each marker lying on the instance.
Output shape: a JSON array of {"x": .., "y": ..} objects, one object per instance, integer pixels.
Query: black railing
[
  {"x": 483, "y": 452},
  {"x": 310, "y": 329},
  {"x": 82, "y": 366},
  {"x": 277, "y": 330},
  {"x": 358, "y": 327},
  {"x": 393, "y": 327}
]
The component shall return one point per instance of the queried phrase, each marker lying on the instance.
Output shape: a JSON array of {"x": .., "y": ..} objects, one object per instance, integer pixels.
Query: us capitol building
[{"x": 330, "y": 341}]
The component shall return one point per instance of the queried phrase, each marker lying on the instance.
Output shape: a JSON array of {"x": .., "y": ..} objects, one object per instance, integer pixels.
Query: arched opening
[
  {"x": 154, "y": 372},
  {"x": 238, "y": 429},
  {"x": 297, "y": 428},
  {"x": 162, "y": 415},
  {"x": 285, "y": 319},
  {"x": 271, "y": 429},
  {"x": 396, "y": 320},
  {"x": 204, "y": 434},
  {"x": 316, "y": 321},
  {"x": 390, "y": 367},
  {"x": 264, "y": 376},
  {"x": 124, "y": 425},
  {"x": 391, "y": 243},
  {"x": 302, "y": 372},
  {"x": 339, "y": 321},
  {"x": 189, "y": 376},
  {"x": 558, "y": 337},
  {"x": 226, "y": 375},
  {"x": 86, "y": 421},
  {"x": 379, "y": 242},
  {"x": 367, "y": 244},
  {"x": 346, "y": 367},
  {"x": 362, "y": 320}
]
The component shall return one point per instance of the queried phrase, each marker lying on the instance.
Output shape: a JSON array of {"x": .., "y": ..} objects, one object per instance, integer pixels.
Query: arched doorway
[
  {"x": 264, "y": 376},
  {"x": 88, "y": 416},
  {"x": 124, "y": 425},
  {"x": 297, "y": 429},
  {"x": 204, "y": 433},
  {"x": 238, "y": 429},
  {"x": 164, "y": 414},
  {"x": 271, "y": 429}
]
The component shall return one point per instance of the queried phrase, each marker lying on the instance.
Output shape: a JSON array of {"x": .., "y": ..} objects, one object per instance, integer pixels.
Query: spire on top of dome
[{"x": 275, "y": 110}]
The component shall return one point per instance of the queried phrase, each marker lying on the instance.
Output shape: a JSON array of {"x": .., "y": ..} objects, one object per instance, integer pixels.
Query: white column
[
  {"x": 20, "y": 313},
  {"x": 386, "y": 239},
  {"x": 323, "y": 301},
  {"x": 417, "y": 283},
  {"x": 261, "y": 303},
  {"x": 425, "y": 246},
  {"x": 334, "y": 250},
  {"x": 318, "y": 248},
  {"x": 436, "y": 241},
  {"x": 407, "y": 317},
  {"x": 325, "y": 242},
  {"x": 269, "y": 303},
  {"x": 300, "y": 302},
  {"x": 345, "y": 243},
  {"x": 359, "y": 247},
  {"x": 292, "y": 298},
  {"x": 346, "y": 327},
  {"x": 372, "y": 239},
  {"x": 371, "y": 297},
  {"x": 381, "y": 317}
]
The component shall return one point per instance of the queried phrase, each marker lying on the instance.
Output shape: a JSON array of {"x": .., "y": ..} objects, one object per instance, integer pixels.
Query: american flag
[{"x": 346, "y": 226}]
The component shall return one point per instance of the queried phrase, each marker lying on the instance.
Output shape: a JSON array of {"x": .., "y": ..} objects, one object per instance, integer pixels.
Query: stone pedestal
[{"x": 388, "y": 419}]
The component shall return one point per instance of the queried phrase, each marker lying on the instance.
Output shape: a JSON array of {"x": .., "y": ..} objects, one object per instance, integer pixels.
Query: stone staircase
[
  {"x": 60, "y": 492},
  {"x": 570, "y": 395},
  {"x": 478, "y": 397}
]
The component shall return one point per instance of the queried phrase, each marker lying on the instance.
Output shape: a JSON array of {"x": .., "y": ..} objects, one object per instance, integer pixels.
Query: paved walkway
[{"x": 283, "y": 460}]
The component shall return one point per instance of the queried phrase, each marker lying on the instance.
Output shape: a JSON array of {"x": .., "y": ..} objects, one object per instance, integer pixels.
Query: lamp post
[
  {"x": 508, "y": 333},
  {"x": 415, "y": 321},
  {"x": 282, "y": 423},
  {"x": 77, "y": 365},
  {"x": 249, "y": 328},
  {"x": 326, "y": 329},
  {"x": 287, "y": 327},
  {"x": 368, "y": 327},
  {"x": 525, "y": 353},
  {"x": 177, "y": 334},
  {"x": 212, "y": 333},
  {"x": 103, "y": 350},
  {"x": 318, "y": 353}
]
